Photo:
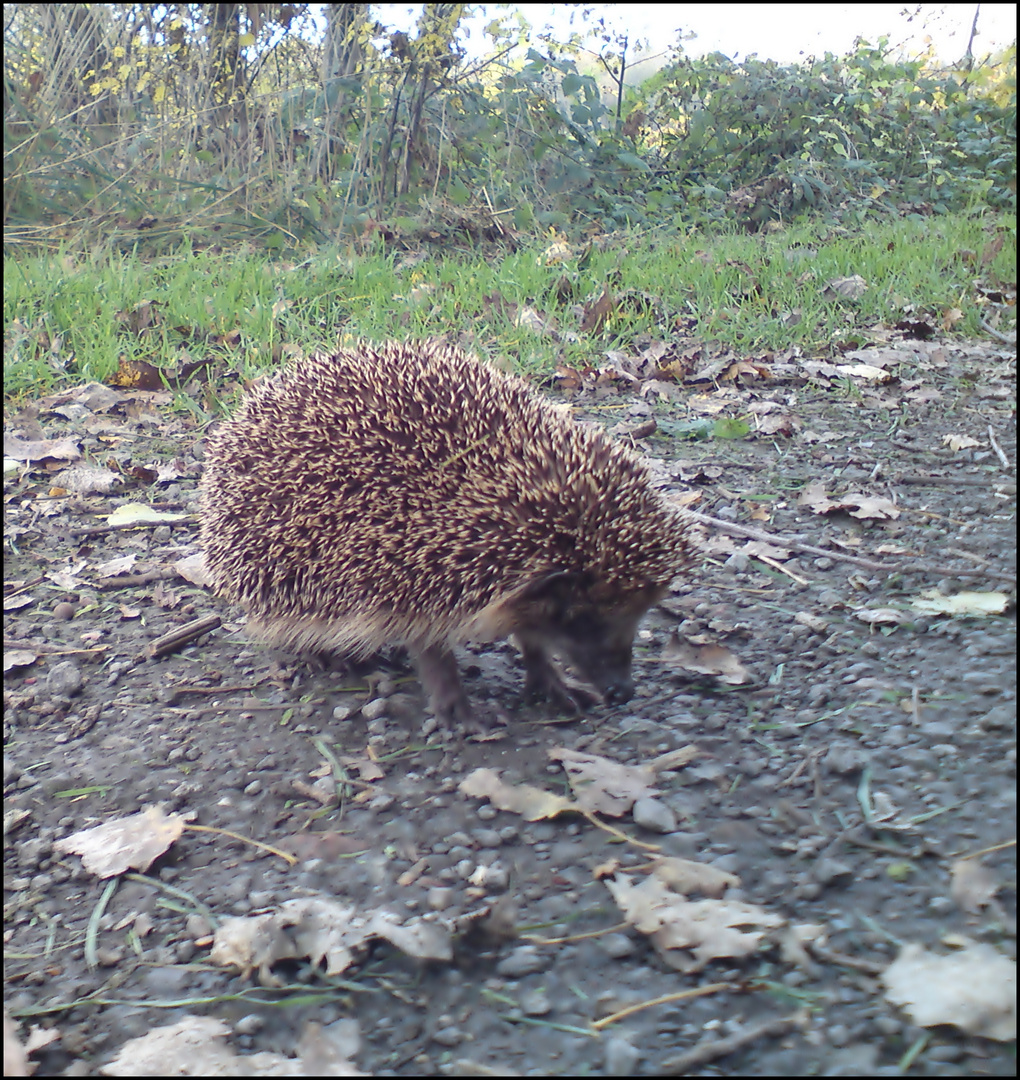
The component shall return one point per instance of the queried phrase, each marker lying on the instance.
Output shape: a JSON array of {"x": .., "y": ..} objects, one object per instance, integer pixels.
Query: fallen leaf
[
  {"x": 932, "y": 602},
  {"x": 972, "y": 885},
  {"x": 126, "y": 843},
  {"x": 705, "y": 660},
  {"x": 959, "y": 442},
  {"x": 974, "y": 989},
  {"x": 690, "y": 933},
  {"x": 531, "y": 803},
  {"x": 686, "y": 876},
  {"x": 602, "y": 785}
]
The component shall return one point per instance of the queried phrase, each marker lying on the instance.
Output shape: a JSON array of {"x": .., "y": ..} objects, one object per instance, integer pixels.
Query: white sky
[{"x": 782, "y": 32}]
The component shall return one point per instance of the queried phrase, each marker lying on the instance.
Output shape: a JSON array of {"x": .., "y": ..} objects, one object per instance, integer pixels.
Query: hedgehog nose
[{"x": 619, "y": 691}]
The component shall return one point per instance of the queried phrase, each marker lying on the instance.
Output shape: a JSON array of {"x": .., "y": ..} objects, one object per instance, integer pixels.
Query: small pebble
[
  {"x": 64, "y": 679},
  {"x": 654, "y": 815},
  {"x": 621, "y": 1057},
  {"x": 524, "y": 960},
  {"x": 374, "y": 709}
]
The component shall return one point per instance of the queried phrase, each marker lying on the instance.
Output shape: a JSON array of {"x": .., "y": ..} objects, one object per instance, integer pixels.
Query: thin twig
[
  {"x": 868, "y": 564},
  {"x": 711, "y": 1049},
  {"x": 998, "y": 449}
]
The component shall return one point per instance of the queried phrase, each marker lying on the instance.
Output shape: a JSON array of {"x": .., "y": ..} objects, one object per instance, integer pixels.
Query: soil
[{"x": 869, "y": 750}]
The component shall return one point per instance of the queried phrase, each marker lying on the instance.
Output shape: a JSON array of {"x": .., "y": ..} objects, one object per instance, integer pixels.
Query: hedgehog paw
[
  {"x": 437, "y": 669},
  {"x": 543, "y": 679}
]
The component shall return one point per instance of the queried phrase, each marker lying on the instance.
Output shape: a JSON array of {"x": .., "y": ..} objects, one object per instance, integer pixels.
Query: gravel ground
[{"x": 837, "y": 787}]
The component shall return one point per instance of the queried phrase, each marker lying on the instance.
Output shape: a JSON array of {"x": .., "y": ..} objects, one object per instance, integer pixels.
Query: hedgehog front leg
[
  {"x": 542, "y": 679},
  {"x": 437, "y": 670}
]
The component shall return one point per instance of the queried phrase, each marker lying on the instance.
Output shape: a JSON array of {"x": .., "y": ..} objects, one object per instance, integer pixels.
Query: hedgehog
[{"x": 411, "y": 494}]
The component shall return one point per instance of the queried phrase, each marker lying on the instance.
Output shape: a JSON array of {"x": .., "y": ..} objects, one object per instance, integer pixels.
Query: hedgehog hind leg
[{"x": 437, "y": 670}]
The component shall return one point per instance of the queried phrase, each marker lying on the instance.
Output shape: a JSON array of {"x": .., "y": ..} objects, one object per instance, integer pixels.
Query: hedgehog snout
[{"x": 618, "y": 691}]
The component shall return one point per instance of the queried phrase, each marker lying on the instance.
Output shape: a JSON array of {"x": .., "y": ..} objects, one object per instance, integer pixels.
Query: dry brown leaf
[
  {"x": 675, "y": 759},
  {"x": 850, "y": 288},
  {"x": 531, "y": 803},
  {"x": 960, "y": 442},
  {"x": 602, "y": 785},
  {"x": 974, "y": 989},
  {"x": 813, "y": 497},
  {"x": 86, "y": 479},
  {"x": 855, "y": 503},
  {"x": 322, "y": 931},
  {"x": 686, "y": 876},
  {"x": 761, "y": 547},
  {"x": 863, "y": 506},
  {"x": 868, "y": 372},
  {"x": 972, "y": 884},
  {"x": 690, "y": 933},
  {"x": 41, "y": 449},
  {"x": 812, "y": 622},
  {"x": 962, "y": 604},
  {"x": 597, "y": 315},
  {"x": 130, "y": 843},
  {"x": 15, "y": 1057},
  {"x": 196, "y": 1046},
  {"x": 881, "y": 616},
  {"x": 705, "y": 660}
]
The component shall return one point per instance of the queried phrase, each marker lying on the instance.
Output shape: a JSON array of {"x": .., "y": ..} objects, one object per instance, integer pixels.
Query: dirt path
[{"x": 870, "y": 749}]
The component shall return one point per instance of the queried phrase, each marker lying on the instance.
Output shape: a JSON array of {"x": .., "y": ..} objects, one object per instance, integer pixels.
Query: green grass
[{"x": 69, "y": 319}]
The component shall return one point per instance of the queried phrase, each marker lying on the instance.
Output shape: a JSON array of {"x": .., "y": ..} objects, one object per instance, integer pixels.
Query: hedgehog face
[
  {"x": 600, "y": 651},
  {"x": 555, "y": 619}
]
